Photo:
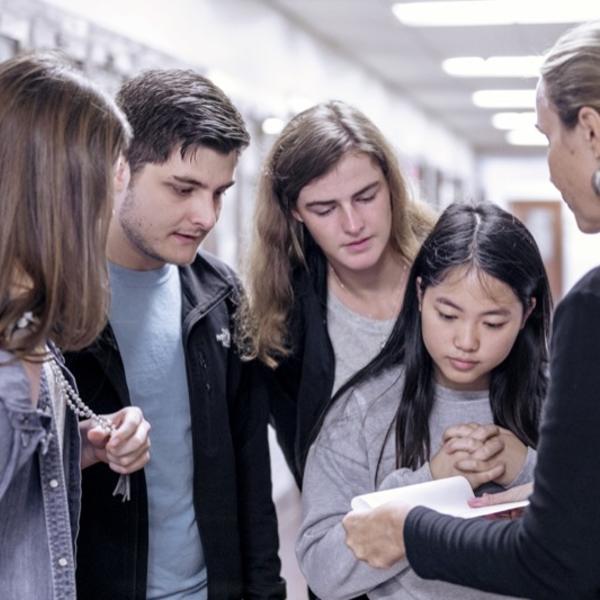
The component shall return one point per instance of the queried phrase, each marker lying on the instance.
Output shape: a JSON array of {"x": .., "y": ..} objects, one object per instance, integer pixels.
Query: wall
[
  {"x": 271, "y": 67},
  {"x": 505, "y": 179}
]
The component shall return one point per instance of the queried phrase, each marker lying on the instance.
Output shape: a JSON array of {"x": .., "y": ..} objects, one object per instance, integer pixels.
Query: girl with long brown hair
[
  {"x": 61, "y": 144},
  {"x": 335, "y": 233}
]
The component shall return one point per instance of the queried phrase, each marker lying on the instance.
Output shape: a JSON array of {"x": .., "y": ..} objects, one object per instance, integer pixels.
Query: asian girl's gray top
[
  {"x": 39, "y": 492},
  {"x": 342, "y": 463}
]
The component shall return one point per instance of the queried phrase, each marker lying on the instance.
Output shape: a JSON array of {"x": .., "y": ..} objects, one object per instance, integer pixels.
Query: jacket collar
[{"x": 204, "y": 284}]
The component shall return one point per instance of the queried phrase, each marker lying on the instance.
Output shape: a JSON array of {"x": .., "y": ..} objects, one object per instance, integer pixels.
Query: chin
[
  {"x": 586, "y": 226},
  {"x": 361, "y": 262}
]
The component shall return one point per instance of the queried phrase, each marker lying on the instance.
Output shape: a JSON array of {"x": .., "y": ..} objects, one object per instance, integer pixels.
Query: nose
[
  {"x": 466, "y": 338},
  {"x": 204, "y": 211},
  {"x": 352, "y": 221}
]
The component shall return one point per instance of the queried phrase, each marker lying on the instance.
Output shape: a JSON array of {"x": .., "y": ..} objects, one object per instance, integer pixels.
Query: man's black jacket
[{"x": 232, "y": 484}]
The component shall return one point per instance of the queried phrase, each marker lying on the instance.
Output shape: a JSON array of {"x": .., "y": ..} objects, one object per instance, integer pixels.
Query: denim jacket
[{"x": 39, "y": 492}]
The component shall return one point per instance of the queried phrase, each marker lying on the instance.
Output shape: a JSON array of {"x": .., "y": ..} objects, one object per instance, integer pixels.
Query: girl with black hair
[{"x": 457, "y": 390}]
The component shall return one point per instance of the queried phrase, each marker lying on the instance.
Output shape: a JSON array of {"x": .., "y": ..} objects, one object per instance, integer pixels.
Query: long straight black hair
[{"x": 495, "y": 243}]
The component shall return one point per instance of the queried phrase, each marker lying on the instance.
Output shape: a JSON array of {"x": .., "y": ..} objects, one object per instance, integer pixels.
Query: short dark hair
[{"x": 177, "y": 107}]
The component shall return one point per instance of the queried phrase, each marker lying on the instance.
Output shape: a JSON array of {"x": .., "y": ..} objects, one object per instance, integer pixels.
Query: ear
[
  {"x": 588, "y": 119},
  {"x": 297, "y": 216},
  {"x": 418, "y": 283},
  {"x": 122, "y": 175},
  {"x": 530, "y": 309}
]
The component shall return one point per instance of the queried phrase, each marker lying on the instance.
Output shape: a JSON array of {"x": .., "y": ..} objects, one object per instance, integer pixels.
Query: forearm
[
  {"x": 331, "y": 569},
  {"x": 526, "y": 473},
  {"x": 428, "y": 536},
  {"x": 402, "y": 477},
  {"x": 495, "y": 556}
]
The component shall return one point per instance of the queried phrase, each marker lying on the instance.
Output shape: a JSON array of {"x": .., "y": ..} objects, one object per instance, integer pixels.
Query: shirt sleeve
[
  {"x": 336, "y": 471},
  {"x": 552, "y": 552},
  {"x": 404, "y": 476},
  {"x": 526, "y": 473}
]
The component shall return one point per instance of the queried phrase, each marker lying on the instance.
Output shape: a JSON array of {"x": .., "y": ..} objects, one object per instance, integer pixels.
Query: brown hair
[
  {"x": 571, "y": 72},
  {"x": 310, "y": 146},
  {"x": 60, "y": 138}
]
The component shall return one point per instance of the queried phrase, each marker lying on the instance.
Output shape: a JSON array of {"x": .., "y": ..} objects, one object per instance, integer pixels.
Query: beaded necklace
[{"x": 78, "y": 406}]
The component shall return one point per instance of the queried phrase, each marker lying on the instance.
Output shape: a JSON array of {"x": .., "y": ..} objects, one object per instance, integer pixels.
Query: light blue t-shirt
[{"x": 145, "y": 315}]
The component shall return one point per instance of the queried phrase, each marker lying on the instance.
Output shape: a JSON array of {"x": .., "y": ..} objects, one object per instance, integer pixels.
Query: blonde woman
[
  {"x": 335, "y": 233},
  {"x": 552, "y": 552}
]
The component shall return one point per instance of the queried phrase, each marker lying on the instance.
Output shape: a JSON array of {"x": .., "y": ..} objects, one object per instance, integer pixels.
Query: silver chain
[
  {"x": 81, "y": 409},
  {"x": 74, "y": 401}
]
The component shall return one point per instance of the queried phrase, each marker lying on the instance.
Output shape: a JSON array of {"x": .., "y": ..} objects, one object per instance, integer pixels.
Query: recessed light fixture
[
  {"x": 494, "y": 66},
  {"x": 504, "y": 98},
  {"x": 513, "y": 120},
  {"x": 494, "y": 12},
  {"x": 272, "y": 125},
  {"x": 527, "y": 136}
]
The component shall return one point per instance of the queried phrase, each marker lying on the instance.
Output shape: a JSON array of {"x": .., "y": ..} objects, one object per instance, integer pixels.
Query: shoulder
[
  {"x": 209, "y": 278},
  {"x": 577, "y": 319},
  {"x": 13, "y": 379},
  {"x": 207, "y": 263},
  {"x": 588, "y": 284},
  {"x": 583, "y": 297}
]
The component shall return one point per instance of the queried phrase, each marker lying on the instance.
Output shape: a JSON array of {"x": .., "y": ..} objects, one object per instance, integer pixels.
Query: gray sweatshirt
[{"x": 342, "y": 463}]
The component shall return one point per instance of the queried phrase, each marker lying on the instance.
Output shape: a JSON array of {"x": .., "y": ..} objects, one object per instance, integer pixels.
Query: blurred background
[{"x": 451, "y": 84}]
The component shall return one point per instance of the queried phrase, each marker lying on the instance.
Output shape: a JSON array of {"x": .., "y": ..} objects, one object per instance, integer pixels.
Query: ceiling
[{"x": 408, "y": 59}]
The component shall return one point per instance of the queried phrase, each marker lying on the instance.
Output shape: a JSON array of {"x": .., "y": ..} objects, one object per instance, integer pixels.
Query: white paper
[{"x": 448, "y": 496}]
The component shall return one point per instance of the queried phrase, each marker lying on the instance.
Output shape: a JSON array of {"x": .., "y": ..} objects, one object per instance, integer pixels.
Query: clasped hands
[{"x": 481, "y": 453}]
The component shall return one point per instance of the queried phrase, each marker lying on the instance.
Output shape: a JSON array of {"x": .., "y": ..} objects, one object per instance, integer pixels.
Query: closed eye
[
  {"x": 182, "y": 191},
  {"x": 446, "y": 316},
  {"x": 495, "y": 325},
  {"x": 322, "y": 209},
  {"x": 366, "y": 199}
]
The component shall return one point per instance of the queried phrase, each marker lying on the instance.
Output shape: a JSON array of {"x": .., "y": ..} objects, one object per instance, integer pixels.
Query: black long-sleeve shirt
[{"x": 554, "y": 550}]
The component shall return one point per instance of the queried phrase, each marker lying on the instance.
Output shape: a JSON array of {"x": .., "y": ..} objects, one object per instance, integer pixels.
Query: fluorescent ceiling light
[
  {"x": 272, "y": 125},
  {"x": 527, "y": 136},
  {"x": 504, "y": 98},
  {"x": 494, "y": 12},
  {"x": 494, "y": 66},
  {"x": 513, "y": 120}
]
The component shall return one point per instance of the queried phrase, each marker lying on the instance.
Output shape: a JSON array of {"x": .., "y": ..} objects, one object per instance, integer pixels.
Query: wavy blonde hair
[
  {"x": 310, "y": 146},
  {"x": 60, "y": 138}
]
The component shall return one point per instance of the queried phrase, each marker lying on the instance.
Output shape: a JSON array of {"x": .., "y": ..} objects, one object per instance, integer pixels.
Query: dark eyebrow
[
  {"x": 500, "y": 312},
  {"x": 447, "y": 302},
  {"x": 196, "y": 183},
  {"x": 363, "y": 190},
  {"x": 319, "y": 203}
]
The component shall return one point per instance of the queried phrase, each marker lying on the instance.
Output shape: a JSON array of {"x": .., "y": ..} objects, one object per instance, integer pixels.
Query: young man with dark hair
[{"x": 200, "y": 523}]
